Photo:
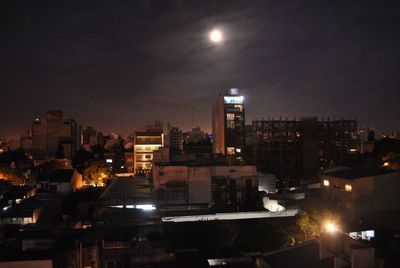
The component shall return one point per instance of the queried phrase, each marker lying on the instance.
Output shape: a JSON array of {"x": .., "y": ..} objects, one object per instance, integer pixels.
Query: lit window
[
  {"x": 348, "y": 188},
  {"x": 230, "y": 150},
  {"x": 240, "y": 107},
  {"x": 230, "y": 116},
  {"x": 109, "y": 160},
  {"x": 326, "y": 182},
  {"x": 230, "y": 124}
]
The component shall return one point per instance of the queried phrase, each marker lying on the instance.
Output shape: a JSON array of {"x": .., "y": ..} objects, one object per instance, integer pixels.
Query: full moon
[{"x": 216, "y": 36}]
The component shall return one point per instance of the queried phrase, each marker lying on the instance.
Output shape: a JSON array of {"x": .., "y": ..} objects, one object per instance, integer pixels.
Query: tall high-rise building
[
  {"x": 56, "y": 135},
  {"x": 228, "y": 123}
]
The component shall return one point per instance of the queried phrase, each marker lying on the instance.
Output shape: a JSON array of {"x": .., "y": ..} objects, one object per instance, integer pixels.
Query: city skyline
[{"x": 150, "y": 60}]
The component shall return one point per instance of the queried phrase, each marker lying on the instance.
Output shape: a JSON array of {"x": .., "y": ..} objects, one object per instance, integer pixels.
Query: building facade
[
  {"x": 58, "y": 135},
  {"x": 145, "y": 143},
  {"x": 182, "y": 185},
  {"x": 201, "y": 186},
  {"x": 302, "y": 148},
  {"x": 3, "y": 145},
  {"x": 175, "y": 138},
  {"x": 89, "y": 138},
  {"x": 228, "y": 123},
  {"x": 363, "y": 190}
]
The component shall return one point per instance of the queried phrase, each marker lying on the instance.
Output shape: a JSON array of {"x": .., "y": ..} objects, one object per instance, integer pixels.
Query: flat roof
[
  {"x": 148, "y": 133},
  {"x": 356, "y": 173},
  {"x": 304, "y": 255},
  {"x": 128, "y": 190},
  {"x": 25, "y": 208},
  {"x": 196, "y": 163},
  {"x": 232, "y": 216}
]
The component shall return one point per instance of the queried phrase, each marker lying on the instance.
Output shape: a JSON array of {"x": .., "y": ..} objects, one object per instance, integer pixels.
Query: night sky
[{"x": 118, "y": 65}]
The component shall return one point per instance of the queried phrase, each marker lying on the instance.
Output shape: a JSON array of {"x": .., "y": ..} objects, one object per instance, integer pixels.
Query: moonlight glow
[{"x": 216, "y": 36}]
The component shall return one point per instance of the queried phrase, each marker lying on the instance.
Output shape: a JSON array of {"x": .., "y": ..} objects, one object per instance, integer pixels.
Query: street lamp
[{"x": 331, "y": 227}]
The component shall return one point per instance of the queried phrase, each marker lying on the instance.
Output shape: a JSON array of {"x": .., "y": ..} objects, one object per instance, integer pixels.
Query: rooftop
[
  {"x": 303, "y": 255},
  {"x": 356, "y": 173},
  {"x": 58, "y": 175},
  {"x": 148, "y": 133},
  {"x": 127, "y": 190}
]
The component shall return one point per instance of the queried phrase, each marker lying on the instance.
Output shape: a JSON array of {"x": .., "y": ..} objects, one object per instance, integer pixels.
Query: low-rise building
[
  {"x": 133, "y": 227},
  {"x": 329, "y": 250},
  {"x": 146, "y": 142},
  {"x": 202, "y": 186},
  {"x": 182, "y": 185},
  {"x": 28, "y": 211},
  {"x": 61, "y": 180},
  {"x": 363, "y": 189},
  {"x": 234, "y": 186}
]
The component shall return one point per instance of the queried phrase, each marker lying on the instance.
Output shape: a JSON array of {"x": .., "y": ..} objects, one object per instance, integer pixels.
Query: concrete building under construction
[{"x": 300, "y": 148}]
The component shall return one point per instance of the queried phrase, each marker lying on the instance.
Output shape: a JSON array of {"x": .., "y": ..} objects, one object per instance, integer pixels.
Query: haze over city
[
  {"x": 145, "y": 60},
  {"x": 212, "y": 133}
]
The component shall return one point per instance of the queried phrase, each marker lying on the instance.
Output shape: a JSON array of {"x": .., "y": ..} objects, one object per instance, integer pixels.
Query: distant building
[
  {"x": 145, "y": 143},
  {"x": 128, "y": 153},
  {"x": 228, "y": 123},
  {"x": 89, "y": 137},
  {"x": 299, "y": 149},
  {"x": 61, "y": 181},
  {"x": 114, "y": 153},
  {"x": 363, "y": 190},
  {"x": 39, "y": 135},
  {"x": 175, "y": 138},
  {"x": 197, "y": 145},
  {"x": 13, "y": 144},
  {"x": 3, "y": 145},
  {"x": 26, "y": 140},
  {"x": 195, "y": 135},
  {"x": 129, "y": 156},
  {"x": 389, "y": 134},
  {"x": 58, "y": 135}
]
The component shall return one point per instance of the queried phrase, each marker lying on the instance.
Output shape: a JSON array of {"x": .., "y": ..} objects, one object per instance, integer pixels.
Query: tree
[
  {"x": 96, "y": 173},
  {"x": 308, "y": 225},
  {"x": 82, "y": 159},
  {"x": 222, "y": 236},
  {"x": 313, "y": 222},
  {"x": 261, "y": 237}
]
